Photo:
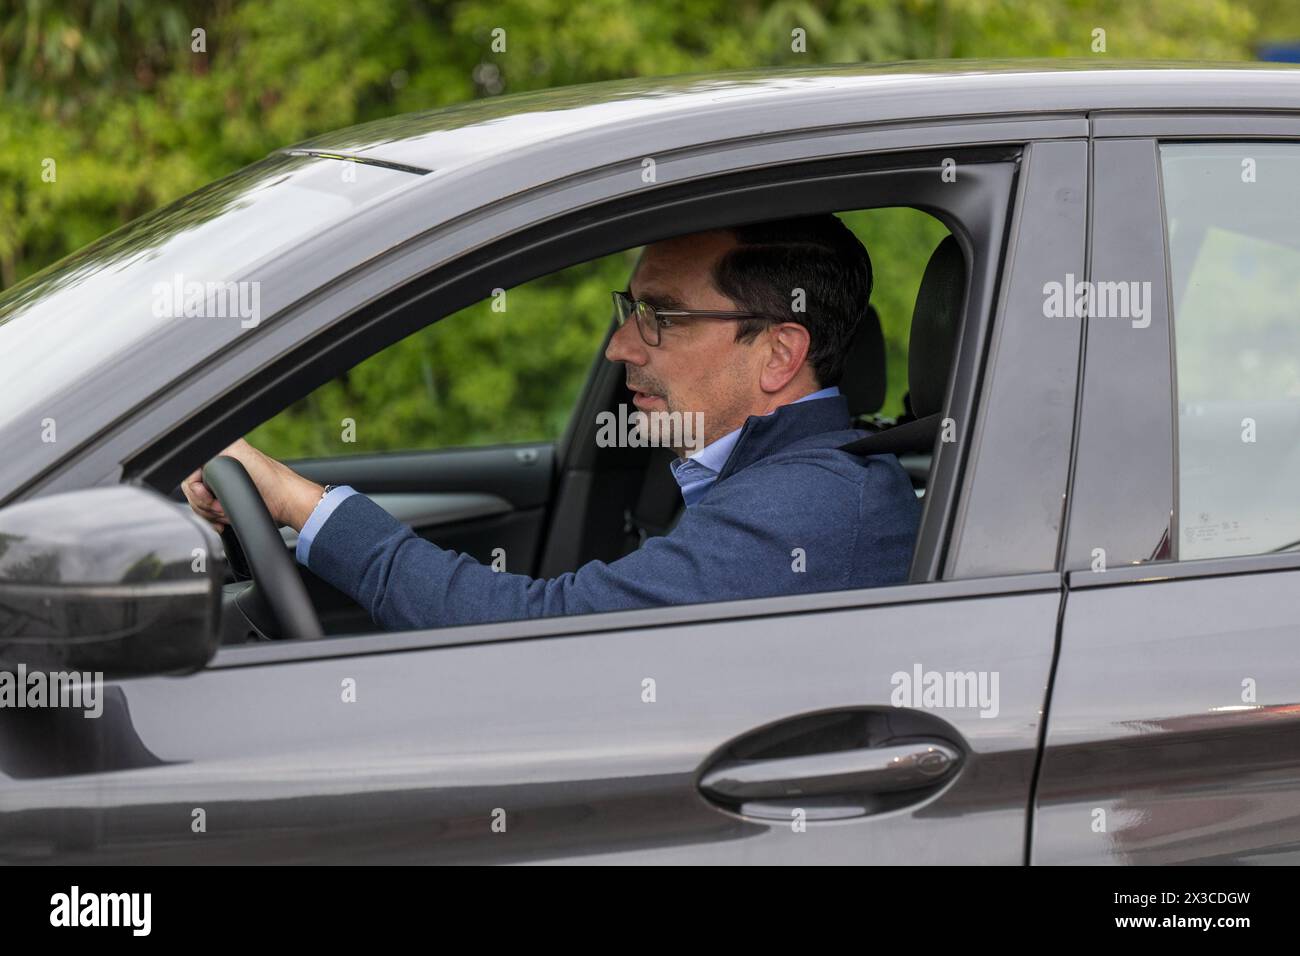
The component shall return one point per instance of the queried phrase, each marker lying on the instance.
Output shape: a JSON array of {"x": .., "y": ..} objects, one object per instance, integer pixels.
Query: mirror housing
[{"x": 117, "y": 579}]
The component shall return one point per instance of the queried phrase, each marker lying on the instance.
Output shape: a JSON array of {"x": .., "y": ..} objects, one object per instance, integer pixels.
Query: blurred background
[{"x": 136, "y": 117}]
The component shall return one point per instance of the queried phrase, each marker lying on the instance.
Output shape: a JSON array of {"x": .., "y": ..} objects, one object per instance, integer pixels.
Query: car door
[
  {"x": 893, "y": 725},
  {"x": 1174, "y": 729}
]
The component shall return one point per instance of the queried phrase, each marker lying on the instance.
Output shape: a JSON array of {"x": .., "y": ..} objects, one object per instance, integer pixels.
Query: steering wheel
[{"x": 276, "y": 602}]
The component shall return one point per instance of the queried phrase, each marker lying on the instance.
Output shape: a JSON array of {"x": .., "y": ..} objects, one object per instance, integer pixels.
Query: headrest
[
  {"x": 934, "y": 327},
  {"x": 863, "y": 384}
]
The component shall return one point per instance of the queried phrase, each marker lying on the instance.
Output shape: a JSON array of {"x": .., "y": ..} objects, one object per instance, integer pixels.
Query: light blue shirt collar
[{"x": 696, "y": 473}]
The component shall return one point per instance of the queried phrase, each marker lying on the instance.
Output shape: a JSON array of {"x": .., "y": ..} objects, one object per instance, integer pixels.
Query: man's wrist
[{"x": 303, "y": 499}]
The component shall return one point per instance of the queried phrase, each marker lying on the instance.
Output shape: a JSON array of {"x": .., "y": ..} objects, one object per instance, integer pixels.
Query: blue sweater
[{"x": 789, "y": 514}]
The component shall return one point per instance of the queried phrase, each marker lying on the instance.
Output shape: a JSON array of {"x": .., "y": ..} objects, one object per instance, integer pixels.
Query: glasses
[{"x": 651, "y": 321}]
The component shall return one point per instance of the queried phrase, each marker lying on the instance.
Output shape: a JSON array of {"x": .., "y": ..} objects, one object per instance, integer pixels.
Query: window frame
[
  {"x": 590, "y": 232},
  {"x": 803, "y": 189},
  {"x": 550, "y": 244},
  {"x": 1014, "y": 489}
]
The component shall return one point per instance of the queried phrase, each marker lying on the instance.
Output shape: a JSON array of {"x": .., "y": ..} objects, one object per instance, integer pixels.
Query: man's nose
[{"x": 625, "y": 345}]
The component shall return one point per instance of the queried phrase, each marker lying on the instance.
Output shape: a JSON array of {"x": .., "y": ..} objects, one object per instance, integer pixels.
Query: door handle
[{"x": 866, "y": 770}]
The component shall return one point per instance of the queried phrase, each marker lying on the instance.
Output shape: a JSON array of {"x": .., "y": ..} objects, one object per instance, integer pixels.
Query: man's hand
[{"x": 288, "y": 495}]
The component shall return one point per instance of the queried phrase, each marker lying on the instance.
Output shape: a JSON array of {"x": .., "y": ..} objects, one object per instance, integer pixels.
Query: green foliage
[
  {"x": 481, "y": 376},
  {"x": 478, "y": 376},
  {"x": 114, "y": 92}
]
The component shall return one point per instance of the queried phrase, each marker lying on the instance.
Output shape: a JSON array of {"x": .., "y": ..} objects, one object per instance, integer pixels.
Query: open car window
[
  {"x": 506, "y": 369},
  {"x": 510, "y": 367}
]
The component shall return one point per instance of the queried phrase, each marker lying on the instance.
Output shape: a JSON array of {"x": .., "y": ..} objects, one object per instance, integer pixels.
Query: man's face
[{"x": 698, "y": 365}]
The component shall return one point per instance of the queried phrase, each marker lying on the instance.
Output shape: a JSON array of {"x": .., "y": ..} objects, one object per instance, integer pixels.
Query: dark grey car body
[{"x": 536, "y": 740}]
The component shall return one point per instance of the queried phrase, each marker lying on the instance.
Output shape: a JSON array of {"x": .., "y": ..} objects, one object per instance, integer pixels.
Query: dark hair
[{"x": 817, "y": 254}]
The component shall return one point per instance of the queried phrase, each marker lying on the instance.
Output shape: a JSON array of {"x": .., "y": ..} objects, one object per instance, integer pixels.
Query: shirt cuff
[{"x": 316, "y": 520}]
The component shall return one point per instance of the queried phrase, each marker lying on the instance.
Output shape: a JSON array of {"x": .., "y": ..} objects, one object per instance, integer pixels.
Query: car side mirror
[{"x": 117, "y": 580}]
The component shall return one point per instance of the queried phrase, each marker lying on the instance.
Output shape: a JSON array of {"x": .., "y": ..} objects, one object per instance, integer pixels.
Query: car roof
[{"x": 442, "y": 139}]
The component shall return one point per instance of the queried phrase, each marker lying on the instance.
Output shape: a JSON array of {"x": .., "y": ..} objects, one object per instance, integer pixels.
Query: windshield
[{"x": 179, "y": 264}]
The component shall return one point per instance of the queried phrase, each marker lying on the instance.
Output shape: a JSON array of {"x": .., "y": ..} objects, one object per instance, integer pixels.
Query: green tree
[{"x": 138, "y": 102}]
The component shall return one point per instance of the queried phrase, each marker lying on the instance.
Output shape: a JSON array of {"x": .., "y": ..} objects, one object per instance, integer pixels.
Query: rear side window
[{"x": 1234, "y": 257}]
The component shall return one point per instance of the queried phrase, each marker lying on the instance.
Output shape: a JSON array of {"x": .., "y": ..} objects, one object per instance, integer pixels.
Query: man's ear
[{"x": 787, "y": 345}]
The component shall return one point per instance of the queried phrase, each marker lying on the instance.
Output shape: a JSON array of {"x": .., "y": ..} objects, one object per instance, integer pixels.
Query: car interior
[
  {"x": 658, "y": 502},
  {"x": 554, "y": 506}
]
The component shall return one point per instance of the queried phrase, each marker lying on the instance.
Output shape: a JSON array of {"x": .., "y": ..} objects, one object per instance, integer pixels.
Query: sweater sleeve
[
  {"x": 796, "y": 527},
  {"x": 405, "y": 582}
]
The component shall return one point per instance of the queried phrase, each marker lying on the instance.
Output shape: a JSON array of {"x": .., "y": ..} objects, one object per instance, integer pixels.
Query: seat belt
[
  {"x": 914, "y": 436},
  {"x": 658, "y": 505}
]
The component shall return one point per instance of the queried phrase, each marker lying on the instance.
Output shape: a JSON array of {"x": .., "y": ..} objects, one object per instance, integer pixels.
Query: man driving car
[{"x": 746, "y": 328}]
